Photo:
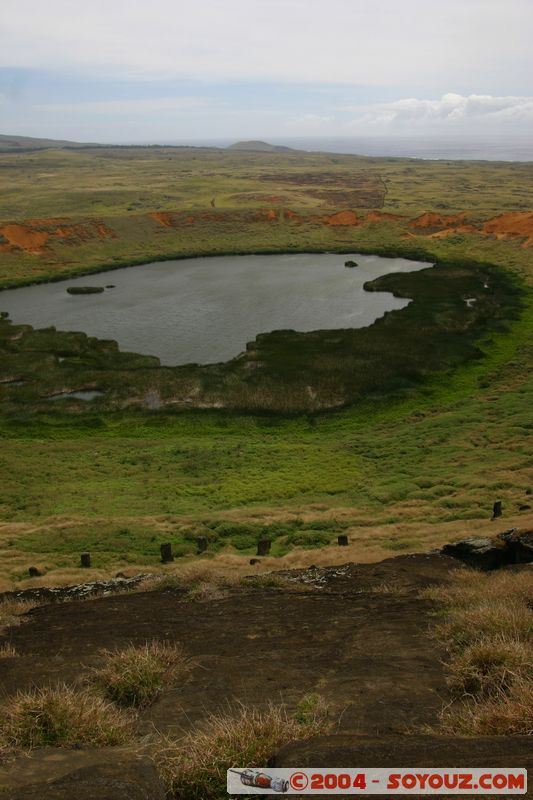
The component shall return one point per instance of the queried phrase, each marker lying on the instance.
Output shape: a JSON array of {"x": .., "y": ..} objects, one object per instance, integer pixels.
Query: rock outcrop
[
  {"x": 509, "y": 547},
  {"x": 128, "y": 779}
]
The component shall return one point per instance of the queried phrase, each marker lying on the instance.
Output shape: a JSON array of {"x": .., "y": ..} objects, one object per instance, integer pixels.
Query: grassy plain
[{"x": 400, "y": 470}]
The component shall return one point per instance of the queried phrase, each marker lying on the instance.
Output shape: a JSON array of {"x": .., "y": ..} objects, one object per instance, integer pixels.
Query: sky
[{"x": 134, "y": 71}]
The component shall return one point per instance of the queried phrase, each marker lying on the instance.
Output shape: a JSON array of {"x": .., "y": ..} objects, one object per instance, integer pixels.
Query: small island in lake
[{"x": 85, "y": 289}]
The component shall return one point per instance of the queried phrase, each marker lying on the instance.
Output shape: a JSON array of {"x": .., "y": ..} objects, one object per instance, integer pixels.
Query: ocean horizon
[{"x": 451, "y": 148}]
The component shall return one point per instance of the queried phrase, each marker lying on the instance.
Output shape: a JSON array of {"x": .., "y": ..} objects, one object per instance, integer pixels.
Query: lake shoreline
[
  {"x": 386, "y": 251},
  {"x": 285, "y": 372},
  {"x": 208, "y": 311}
]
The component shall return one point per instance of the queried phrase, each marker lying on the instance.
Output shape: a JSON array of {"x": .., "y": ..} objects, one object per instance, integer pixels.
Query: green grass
[
  {"x": 440, "y": 419},
  {"x": 121, "y": 187},
  {"x": 118, "y": 484}
]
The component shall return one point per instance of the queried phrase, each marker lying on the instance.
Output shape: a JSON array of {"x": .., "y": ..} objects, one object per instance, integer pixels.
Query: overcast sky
[{"x": 130, "y": 70}]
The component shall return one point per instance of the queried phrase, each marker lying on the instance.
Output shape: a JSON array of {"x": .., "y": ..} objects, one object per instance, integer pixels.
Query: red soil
[
  {"x": 381, "y": 216},
  {"x": 342, "y": 218},
  {"x": 163, "y": 218},
  {"x": 431, "y": 220},
  {"x": 518, "y": 223},
  {"x": 35, "y": 241},
  {"x": 24, "y": 237},
  {"x": 104, "y": 232}
]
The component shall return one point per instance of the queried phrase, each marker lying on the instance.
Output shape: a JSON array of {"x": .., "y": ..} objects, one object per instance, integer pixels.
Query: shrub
[
  {"x": 206, "y": 590},
  {"x": 134, "y": 676},
  {"x": 276, "y": 529},
  {"x": 399, "y": 544},
  {"x": 489, "y": 666},
  {"x": 268, "y": 580},
  {"x": 488, "y": 631},
  {"x": 501, "y": 715},
  {"x": 244, "y": 542},
  {"x": 195, "y": 767},
  {"x": 228, "y": 530},
  {"x": 12, "y": 610},
  {"x": 7, "y": 651},
  {"x": 309, "y": 539},
  {"x": 63, "y": 717},
  {"x": 490, "y": 617},
  {"x": 312, "y": 710}
]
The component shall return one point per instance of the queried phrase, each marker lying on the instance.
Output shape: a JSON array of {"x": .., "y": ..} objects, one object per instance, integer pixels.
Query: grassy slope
[{"x": 395, "y": 475}]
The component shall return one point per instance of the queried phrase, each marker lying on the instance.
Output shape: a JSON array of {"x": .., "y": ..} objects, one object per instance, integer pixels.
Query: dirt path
[{"x": 355, "y": 634}]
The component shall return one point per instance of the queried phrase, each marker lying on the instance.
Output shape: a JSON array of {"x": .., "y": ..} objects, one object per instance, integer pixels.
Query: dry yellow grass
[
  {"x": 7, "y": 651},
  {"x": 490, "y": 666},
  {"x": 488, "y": 632},
  {"x": 62, "y": 717},
  {"x": 505, "y": 714},
  {"x": 194, "y": 767},
  {"x": 491, "y": 618},
  {"x": 12, "y": 612},
  {"x": 369, "y": 542},
  {"x": 209, "y": 580},
  {"x": 135, "y": 676}
]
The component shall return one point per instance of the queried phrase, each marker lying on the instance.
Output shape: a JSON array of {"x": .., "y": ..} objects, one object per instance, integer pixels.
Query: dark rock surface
[
  {"x": 479, "y": 552},
  {"x": 509, "y": 547},
  {"x": 125, "y": 778},
  {"x": 82, "y": 590},
  {"x": 519, "y": 544},
  {"x": 340, "y": 750}
]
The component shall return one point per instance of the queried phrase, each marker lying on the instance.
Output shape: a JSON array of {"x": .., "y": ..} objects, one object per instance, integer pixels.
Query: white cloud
[
  {"x": 451, "y": 111},
  {"x": 431, "y": 44}
]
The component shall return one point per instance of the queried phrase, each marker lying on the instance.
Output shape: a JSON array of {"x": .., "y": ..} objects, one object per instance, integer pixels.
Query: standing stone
[
  {"x": 342, "y": 540},
  {"x": 85, "y": 559},
  {"x": 263, "y": 547},
  {"x": 166, "y": 553},
  {"x": 497, "y": 509},
  {"x": 201, "y": 543}
]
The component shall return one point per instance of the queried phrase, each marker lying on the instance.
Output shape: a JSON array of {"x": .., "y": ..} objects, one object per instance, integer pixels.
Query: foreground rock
[
  {"x": 480, "y": 552},
  {"x": 328, "y": 631},
  {"x": 428, "y": 751},
  {"x": 355, "y": 634},
  {"x": 487, "y": 553},
  {"x": 63, "y": 593},
  {"x": 126, "y": 778},
  {"x": 519, "y": 544}
]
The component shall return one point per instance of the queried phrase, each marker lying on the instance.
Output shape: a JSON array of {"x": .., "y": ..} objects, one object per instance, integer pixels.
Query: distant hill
[
  {"x": 16, "y": 143},
  {"x": 261, "y": 147}
]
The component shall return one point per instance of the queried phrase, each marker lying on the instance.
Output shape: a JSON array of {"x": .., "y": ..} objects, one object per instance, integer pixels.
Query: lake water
[{"x": 205, "y": 310}]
